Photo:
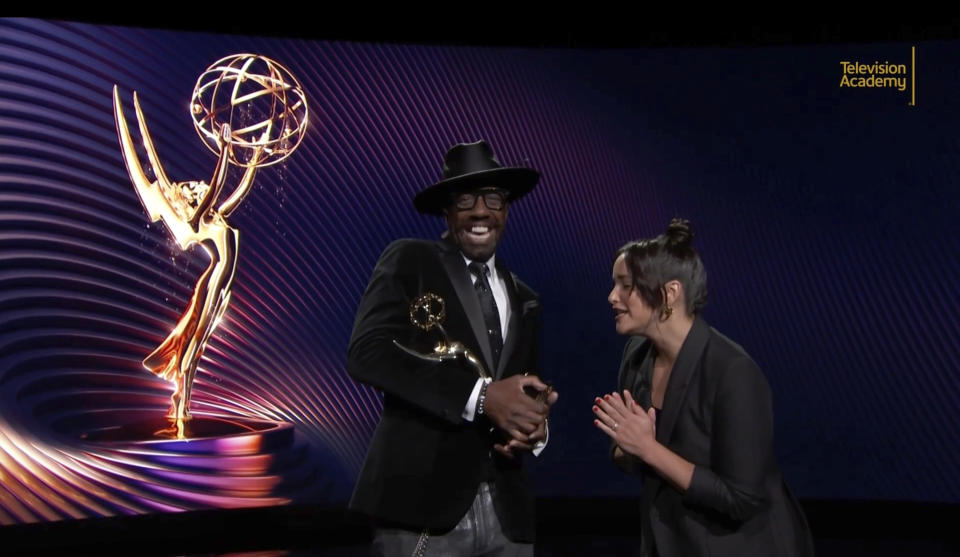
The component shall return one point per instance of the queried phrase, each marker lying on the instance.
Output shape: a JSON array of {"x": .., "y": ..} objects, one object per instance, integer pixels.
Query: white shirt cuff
[
  {"x": 540, "y": 445},
  {"x": 469, "y": 411}
]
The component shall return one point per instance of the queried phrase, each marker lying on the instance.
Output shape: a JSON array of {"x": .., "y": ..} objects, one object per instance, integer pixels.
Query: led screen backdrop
[{"x": 824, "y": 204}]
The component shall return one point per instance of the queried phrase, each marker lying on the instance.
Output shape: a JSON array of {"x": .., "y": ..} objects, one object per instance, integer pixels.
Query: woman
[{"x": 695, "y": 417}]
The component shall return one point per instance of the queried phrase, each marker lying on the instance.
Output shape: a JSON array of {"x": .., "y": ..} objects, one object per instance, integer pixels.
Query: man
[{"x": 443, "y": 472}]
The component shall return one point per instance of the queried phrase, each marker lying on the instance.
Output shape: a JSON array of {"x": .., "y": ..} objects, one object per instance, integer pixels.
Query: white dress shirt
[{"x": 498, "y": 287}]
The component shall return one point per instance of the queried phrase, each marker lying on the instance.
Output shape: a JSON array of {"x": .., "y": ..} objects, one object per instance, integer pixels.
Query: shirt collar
[{"x": 489, "y": 262}]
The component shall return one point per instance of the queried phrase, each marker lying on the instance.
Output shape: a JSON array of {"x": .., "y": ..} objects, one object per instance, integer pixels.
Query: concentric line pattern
[{"x": 88, "y": 288}]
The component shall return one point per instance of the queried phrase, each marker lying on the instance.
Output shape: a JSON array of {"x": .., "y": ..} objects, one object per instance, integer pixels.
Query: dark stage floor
[{"x": 567, "y": 527}]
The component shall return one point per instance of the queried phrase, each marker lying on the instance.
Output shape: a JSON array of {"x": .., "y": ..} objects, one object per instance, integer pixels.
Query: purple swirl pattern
[
  {"x": 782, "y": 193},
  {"x": 92, "y": 287}
]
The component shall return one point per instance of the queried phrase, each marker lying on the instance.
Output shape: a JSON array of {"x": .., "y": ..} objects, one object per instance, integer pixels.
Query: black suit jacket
[
  {"x": 425, "y": 462},
  {"x": 717, "y": 414}
]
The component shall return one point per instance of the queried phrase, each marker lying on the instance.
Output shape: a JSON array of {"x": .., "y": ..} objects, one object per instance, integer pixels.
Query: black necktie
[{"x": 491, "y": 316}]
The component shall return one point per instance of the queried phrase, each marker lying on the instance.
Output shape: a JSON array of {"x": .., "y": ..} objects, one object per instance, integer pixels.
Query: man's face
[{"x": 477, "y": 230}]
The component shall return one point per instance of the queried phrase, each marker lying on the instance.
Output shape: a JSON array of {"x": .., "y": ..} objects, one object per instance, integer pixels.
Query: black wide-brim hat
[{"x": 469, "y": 166}]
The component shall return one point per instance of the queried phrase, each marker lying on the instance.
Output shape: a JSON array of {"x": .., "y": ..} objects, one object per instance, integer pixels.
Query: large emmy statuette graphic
[
  {"x": 427, "y": 312},
  {"x": 251, "y": 112}
]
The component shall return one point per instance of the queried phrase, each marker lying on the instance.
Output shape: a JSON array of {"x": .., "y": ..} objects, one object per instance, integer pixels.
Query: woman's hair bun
[{"x": 679, "y": 235}]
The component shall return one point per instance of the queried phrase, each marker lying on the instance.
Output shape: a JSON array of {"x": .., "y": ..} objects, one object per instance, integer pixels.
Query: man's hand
[
  {"x": 526, "y": 416},
  {"x": 511, "y": 409}
]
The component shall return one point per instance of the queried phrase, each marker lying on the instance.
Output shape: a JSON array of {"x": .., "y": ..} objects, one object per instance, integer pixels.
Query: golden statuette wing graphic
[{"x": 246, "y": 106}]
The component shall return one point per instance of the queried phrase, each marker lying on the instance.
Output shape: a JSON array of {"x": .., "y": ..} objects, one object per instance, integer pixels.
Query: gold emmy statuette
[
  {"x": 427, "y": 312},
  {"x": 252, "y": 112}
]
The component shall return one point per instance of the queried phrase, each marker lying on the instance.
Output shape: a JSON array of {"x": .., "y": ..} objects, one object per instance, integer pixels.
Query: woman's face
[{"x": 633, "y": 315}]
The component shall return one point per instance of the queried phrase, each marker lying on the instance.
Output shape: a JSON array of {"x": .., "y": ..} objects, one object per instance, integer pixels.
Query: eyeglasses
[{"x": 494, "y": 199}]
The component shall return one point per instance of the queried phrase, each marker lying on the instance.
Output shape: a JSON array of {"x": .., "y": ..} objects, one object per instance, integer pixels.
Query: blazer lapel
[
  {"x": 638, "y": 370},
  {"x": 463, "y": 285},
  {"x": 513, "y": 327},
  {"x": 683, "y": 370}
]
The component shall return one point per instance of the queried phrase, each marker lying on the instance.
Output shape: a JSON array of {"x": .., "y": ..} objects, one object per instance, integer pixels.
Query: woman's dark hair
[{"x": 667, "y": 257}]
